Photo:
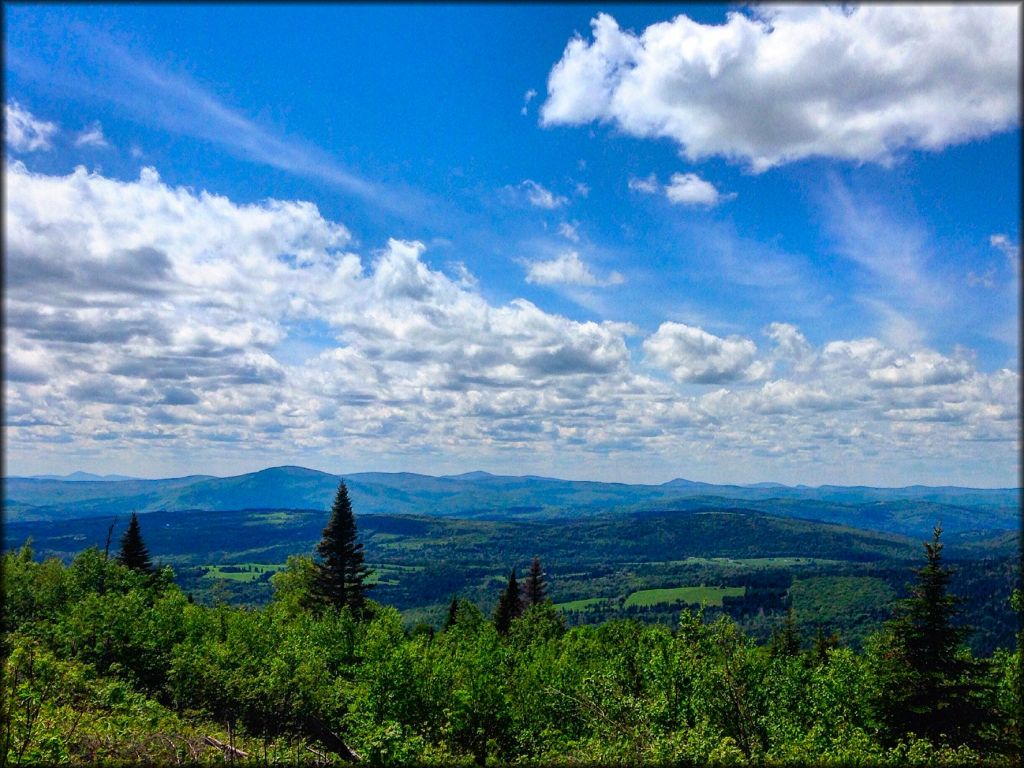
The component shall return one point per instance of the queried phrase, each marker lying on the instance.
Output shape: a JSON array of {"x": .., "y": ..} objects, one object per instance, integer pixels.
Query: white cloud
[
  {"x": 539, "y": 197},
  {"x": 648, "y": 184},
  {"x": 92, "y": 137},
  {"x": 529, "y": 96},
  {"x": 691, "y": 189},
  {"x": 1010, "y": 250},
  {"x": 150, "y": 325},
  {"x": 791, "y": 346},
  {"x": 692, "y": 354},
  {"x": 986, "y": 279},
  {"x": 173, "y": 305},
  {"x": 567, "y": 269},
  {"x": 790, "y": 82},
  {"x": 23, "y": 132},
  {"x": 569, "y": 230}
]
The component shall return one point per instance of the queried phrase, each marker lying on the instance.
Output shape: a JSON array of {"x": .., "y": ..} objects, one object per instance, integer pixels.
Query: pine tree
[
  {"x": 927, "y": 686},
  {"x": 133, "y": 549},
  {"x": 535, "y": 590},
  {"x": 341, "y": 574},
  {"x": 509, "y": 605}
]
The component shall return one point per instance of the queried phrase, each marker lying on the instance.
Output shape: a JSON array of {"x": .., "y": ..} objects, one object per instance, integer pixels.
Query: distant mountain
[
  {"x": 911, "y": 511},
  {"x": 83, "y": 477}
]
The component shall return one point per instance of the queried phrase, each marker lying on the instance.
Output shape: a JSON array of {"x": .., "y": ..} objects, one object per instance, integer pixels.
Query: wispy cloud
[
  {"x": 541, "y": 197},
  {"x": 92, "y": 137},
  {"x": 24, "y": 132},
  {"x": 648, "y": 185},
  {"x": 1009, "y": 249},
  {"x": 529, "y": 96},
  {"x": 893, "y": 250},
  {"x": 176, "y": 103}
]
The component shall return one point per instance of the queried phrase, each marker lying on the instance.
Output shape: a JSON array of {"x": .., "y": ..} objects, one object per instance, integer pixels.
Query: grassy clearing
[
  {"x": 688, "y": 595},
  {"x": 244, "y": 572}
]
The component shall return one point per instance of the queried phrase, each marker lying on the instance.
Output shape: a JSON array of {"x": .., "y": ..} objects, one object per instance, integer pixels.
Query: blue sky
[{"x": 607, "y": 242}]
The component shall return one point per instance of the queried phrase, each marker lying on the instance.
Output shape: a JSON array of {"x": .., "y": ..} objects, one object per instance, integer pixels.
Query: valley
[{"x": 610, "y": 550}]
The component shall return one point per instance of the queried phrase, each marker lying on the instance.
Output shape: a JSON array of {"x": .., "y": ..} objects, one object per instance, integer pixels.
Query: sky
[{"x": 621, "y": 243}]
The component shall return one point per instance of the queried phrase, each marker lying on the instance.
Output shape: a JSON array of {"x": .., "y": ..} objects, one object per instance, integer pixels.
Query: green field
[
  {"x": 688, "y": 595},
  {"x": 580, "y": 605},
  {"x": 248, "y": 571}
]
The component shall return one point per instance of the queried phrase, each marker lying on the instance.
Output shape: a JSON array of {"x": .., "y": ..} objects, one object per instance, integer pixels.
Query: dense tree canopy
[{"x": 105, "y": 663}]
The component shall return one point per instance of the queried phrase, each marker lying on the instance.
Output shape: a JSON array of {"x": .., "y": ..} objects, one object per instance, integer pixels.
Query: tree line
[{"x": 107, "y": 660}]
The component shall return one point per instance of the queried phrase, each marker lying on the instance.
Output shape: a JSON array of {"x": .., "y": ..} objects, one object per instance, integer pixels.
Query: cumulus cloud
[
  {"x": 682, "y": 189},
  {"x": 140, "y": 314},
  {"x": 24, "y": 132},
  {"x": 779, "y": 84},
  {"x": 692, "y": 354},
  {"x": 567, "y": 269},
  {"x": 691, "y": 189},
  {"x": 175, "y": 304},
  {"x": 92, "y": 137},
  {"x": 539, "y": 197}
]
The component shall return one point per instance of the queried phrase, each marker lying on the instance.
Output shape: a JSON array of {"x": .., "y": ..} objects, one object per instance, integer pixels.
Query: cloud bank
[{"x": 149, "y": 323}]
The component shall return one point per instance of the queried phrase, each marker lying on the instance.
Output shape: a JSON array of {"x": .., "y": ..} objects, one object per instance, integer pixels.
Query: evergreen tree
[
  {"x": 453, "y": 614},
  {"x": 928, "y": 684},
  {"x": 535, "y": 590},
  {"x": 786, "y": 640},
  {"x": 133, "y": 549},
  {"x": 341, "y": 574},
  {"x": 822, "y": 645},
  {"x": 509, "y": 606}
]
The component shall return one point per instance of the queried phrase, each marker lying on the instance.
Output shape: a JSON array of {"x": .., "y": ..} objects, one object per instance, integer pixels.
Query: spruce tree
[
  {"x": 535, "y": 590},
  {"x": 509, "y": 605},
  {"x": 927, "y": 686},
  {"x": 453, "y": 614},
  {"x": 341, "y": 574},
  {"x": 133, "y": 549}
]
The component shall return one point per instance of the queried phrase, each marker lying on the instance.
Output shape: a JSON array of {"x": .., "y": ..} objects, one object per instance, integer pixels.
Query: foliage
[{"x": 104, "y": 663}]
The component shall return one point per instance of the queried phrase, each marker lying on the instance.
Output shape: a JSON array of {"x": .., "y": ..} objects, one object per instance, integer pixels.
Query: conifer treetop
[
  {"x": 342, "y": 571},
  {"x": 133, "y": 552}
]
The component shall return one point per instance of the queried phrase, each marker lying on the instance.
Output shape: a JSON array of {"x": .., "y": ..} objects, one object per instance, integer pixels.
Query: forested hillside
[
  {"x": 644, "y": 566},
  {"x": 105, "y": 662}
]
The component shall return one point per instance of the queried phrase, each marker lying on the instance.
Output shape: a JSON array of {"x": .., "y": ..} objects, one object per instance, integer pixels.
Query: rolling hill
[{"x": 909, "y": 511}]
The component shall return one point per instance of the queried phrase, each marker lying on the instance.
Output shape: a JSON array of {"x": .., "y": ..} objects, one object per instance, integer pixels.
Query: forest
[{"x": 107, "y": 659}]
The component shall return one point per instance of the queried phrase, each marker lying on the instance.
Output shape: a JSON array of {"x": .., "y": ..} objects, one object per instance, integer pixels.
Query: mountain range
[{"x": 911, "y": 511}]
